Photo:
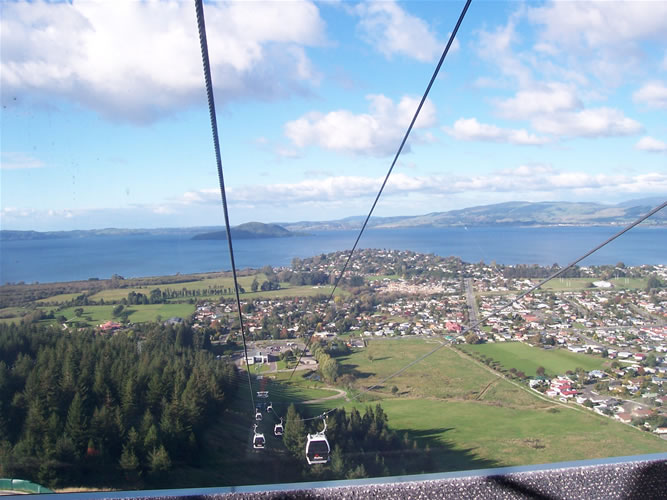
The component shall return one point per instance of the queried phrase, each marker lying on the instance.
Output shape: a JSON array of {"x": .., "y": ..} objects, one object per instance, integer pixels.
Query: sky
[{"x": 105, "y": 121}]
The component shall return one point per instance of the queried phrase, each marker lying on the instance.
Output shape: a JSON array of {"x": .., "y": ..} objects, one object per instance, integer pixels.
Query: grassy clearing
[
  {"x": 443, "y": 375},
  {"x": 295, "y": 291},
  {"x": 95, "y": 315},
  {"x": 203, "y": 285},
  {"x": 12, "y": 314},
  {"x": 568, "y": 283},
  {"x": 150, "y": 312},
  {"x": 561, "y": 284},
  {"x": 474, "y": 433},
  {"x": 392, "y": 277},
  {"x": 60, "y": 298},
  {"x": 629, "y": 283},
  {"x": 471, "y": 418},
  {"x": 527, "y": 359}
]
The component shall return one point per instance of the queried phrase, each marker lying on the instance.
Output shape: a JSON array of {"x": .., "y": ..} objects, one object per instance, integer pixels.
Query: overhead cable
[
  {"x": 216, "y": 144},
  {"x": 393, "y": 163}
]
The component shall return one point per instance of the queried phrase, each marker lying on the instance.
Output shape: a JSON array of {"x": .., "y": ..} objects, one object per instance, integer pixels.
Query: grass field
[
  {"x": 568, "y": 283},
  {"x": 203, "y": 285},
  {"x": 527, "y": 359},
  {"x": 477, "y": 434},
  {"x": 582, "y": 283},
  {"x": 629, "y": 283},
  {"x": 442, "y": 375},
  {"x": 471, "y": 418},
  {"x": 60, "y": 298},
  {"x": 94, "y": 315}
]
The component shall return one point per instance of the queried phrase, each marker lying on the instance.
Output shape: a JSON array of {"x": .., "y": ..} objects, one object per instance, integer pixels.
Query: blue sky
[{"x": 104, "y": 118}]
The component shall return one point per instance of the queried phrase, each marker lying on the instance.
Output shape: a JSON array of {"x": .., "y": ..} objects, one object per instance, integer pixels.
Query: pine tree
[
  {"x": 76, "y": 425},
  {"x": 294, "y": 436},
  {"x": 338, "y": 462},
  {"x": 159, "y": 461},
  {"x": 129, "y": 462}
]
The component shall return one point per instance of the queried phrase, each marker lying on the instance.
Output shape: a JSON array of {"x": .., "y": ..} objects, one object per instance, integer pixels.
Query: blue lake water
[{"x": 142, "y": 255}]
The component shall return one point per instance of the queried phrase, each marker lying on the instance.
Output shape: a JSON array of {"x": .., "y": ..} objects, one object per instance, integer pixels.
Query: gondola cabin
[
  {"x": 278, "y": 428},
  {"x": 317, "y": 449},
  {"x": 258, "y": 441}
]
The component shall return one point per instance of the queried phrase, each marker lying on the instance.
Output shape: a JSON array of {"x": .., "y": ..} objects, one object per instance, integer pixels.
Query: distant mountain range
[{"x": 513, "y": 213}]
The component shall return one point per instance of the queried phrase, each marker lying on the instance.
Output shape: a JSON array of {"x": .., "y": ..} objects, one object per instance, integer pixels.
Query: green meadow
[
  {"x": 471, "y": 418},
  {"x": 564, "y": 284},
  {"x": 527, "y": 358},
  {"x": 95, "y": 315}
]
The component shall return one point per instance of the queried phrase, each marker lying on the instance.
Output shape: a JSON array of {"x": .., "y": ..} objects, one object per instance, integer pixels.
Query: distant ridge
[
  {"x": 513, "y": 213},
  {"x": 249, "y": 231},
  {"x": 516, "y": 213}
]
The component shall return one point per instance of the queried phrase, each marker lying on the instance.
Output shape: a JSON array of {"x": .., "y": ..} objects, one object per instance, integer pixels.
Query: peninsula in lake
[{"x": 249, "y": 231}]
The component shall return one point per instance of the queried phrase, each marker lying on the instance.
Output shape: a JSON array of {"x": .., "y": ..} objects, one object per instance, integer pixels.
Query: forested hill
[
  {"x": 249, "y": 231},
  {"x": 77, "y": 407}
]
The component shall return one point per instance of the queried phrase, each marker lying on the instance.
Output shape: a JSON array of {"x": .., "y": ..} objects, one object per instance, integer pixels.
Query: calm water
[{"x": 102, "y": 256}]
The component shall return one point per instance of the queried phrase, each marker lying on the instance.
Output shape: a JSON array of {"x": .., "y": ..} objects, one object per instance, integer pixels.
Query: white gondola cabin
[
  {"x": 258, "y": 440},
  {"x": 278, "y": 428},
  {"x": 317, "y": 447}
]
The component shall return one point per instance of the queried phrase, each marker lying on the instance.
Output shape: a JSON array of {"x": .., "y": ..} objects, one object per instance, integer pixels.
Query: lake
[{"x": 143, "y": 255}]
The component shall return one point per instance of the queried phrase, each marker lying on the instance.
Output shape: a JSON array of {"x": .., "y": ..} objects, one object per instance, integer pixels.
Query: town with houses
[{"x": 614, "y": 312}]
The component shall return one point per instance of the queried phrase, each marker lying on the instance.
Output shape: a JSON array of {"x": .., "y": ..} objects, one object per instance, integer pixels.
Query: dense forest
[{"x": 77, "y": 404}]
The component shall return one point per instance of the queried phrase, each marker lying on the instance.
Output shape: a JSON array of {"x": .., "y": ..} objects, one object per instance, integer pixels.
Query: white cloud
[
  {"x": 391, "y": 30},
  {"x": 602, "y": 38},
  {"x": 496, "y": 47},
  {"x": 18, "y": 161},
  {"x": 597, "y": 24},
  {"x": 137, "y": 61},
  {"x": 201, "y": 196},
  {"x": 548, "y": 98},
  {"x": 469, "y": 129},
  {"x": 554, "y": 108},
  {"x": 651, "y": 145},
  {"x": 524, "y": 179},
  {"x": 653, "y": 94},
  {"x": 375, "y": 133},
  {"x": 598, "y": 122}
]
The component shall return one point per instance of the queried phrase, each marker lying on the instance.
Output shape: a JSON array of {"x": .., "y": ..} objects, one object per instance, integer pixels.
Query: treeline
[
  {"x": 361, "y": 445},
  {"x": 121, "y": 410},
  {"x": 328, "y": 366},
  {"x": 535, "y": 271}
]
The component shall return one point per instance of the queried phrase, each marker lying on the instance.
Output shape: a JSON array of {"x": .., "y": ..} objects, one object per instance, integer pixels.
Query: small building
[
  {"x": 257, "y": 358},
  {"x": 624, "y": 417},
  {"x": 110, "y": 326}
]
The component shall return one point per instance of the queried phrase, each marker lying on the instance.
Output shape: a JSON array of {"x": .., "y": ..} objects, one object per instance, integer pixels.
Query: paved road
[
  {"x": 472, "y": 303},
  {"x": 340, "y": 393}
]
